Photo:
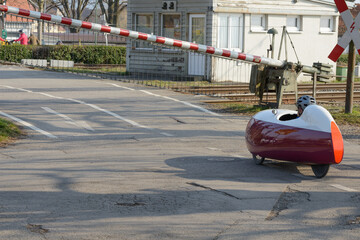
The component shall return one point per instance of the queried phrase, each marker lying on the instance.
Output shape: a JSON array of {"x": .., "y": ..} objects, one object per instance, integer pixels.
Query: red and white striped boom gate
[
  {"x": 281, "y": 73},
  {"x": 143, "y": 36}
]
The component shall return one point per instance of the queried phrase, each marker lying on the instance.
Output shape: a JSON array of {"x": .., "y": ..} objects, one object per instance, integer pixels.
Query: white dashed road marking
[
  {"x": 90, "y": 105},
  {"x": 183, "y": 102},
  {"x": 167, "y": 134},
  {"x": 133, "y": 123},
  {"x": 127, "y": 88},
  {"x": 81, "y": 124},
  {"x": 169, "y": 98}
]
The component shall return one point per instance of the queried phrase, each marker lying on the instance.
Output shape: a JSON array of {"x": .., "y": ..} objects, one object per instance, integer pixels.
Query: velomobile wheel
[
  {"x": 321, "y": 170},
  {"x": 258, "y": 160}
]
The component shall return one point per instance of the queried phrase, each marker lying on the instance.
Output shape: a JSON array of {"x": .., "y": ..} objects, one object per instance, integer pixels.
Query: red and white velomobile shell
[{"x": 313, "y": 138}]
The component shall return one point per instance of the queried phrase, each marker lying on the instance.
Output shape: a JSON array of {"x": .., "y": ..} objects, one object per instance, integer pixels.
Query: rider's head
[{"x": 303, "y": 102}]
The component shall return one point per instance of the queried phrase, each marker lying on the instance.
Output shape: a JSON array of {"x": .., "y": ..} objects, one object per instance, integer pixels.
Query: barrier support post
[{"x": 350, "y": 79}]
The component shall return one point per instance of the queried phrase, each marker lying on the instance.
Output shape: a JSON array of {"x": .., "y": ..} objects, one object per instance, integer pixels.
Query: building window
[
  {"x": 170, "y": 26},
  {"x": 327, "y": 24},
  {"x": 258, "y": 22},
  {"x": 197, "y": 32},
  {"x": 293, "y": 23},
  {"x": 144, "y": 23},
  {"x": 230, "y": 31}
]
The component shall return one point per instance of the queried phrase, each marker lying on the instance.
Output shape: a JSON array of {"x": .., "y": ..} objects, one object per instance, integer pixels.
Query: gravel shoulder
[{"x": 350, "y": 133}]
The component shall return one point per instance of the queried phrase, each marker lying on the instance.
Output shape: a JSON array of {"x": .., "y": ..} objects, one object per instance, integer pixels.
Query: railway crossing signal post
[
  {"x": 351, "y": 38},
  {"x": 349, "y": 101}
]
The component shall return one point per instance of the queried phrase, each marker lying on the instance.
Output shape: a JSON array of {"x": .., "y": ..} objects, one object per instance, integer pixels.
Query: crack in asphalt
[
  {"x": 214, "y": 190},
  {"x": 226, "y": 229},
  {"x": 222, "y": 192},
  {"x": 179, "y": 121},
  {"x": 288, "y": 196},
  {"x": 7, "y": 155},
  {"x": 37, "y": 229},
  {"x": 130, "y": 204}
]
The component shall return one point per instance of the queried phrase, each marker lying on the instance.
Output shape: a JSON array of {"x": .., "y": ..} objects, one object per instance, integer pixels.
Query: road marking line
[
  {"x": 213, "y": 149},
  {"x": 26, "y": 124},
  {"x": 90, "y": 105},
  {"x": 167, "y": 134},
  {"x": 75, "y": 100},
  {"x": 169, "y": 98},
  {"x": 118, "y": 116},
  {"x": 240, "y": 156},
  {"x": 84, "y": 125},
  {"x": 56, "y": 113},
  {"x": 21, "y": 89},
  {"x": 343, "y": 188},
  {"x": 115, "y": 85},
  {"x": 25, "y": 90},
  {"x": 150, "y": 93},
  {"x": 133, "y": 123},
  {"x": 8, "y": 87},
  {"x": 69, "y": 120},
  {"x": 183, "y": 102},
  {"x": 51, "y": 96}
]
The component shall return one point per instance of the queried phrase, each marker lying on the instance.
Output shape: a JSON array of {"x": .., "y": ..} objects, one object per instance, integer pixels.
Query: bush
[
  {"x": 78, "y": 54},
  {"x": 62, "y": 53},
  {"x": 343, "y": 59}
]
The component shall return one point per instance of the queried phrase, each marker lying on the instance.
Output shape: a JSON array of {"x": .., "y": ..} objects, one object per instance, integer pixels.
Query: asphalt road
[{"x": 108, "y": 160}]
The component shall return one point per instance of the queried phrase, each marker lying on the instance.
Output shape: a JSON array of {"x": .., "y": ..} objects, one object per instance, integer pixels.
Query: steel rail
[
  {"x": 215, "y": 90},
  {"x": 289, "y": 96},
  {"x": 144, "y": 36},
  {"x": 338, "y": 98}
]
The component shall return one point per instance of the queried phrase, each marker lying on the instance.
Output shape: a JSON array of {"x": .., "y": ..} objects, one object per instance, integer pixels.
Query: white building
[{"x": 240, "y": 25}]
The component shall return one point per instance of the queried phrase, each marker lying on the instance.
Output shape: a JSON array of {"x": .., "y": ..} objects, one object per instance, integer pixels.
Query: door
[{"x": 197, "y": 35}]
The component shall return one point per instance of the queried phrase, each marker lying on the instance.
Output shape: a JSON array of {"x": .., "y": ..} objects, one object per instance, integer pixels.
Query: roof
[
  {"x": 331, "y": 2},
  {"x": 19, "y": 4}
]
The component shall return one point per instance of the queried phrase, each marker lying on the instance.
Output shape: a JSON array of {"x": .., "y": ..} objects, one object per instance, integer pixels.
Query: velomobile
[{"x": 313, "y": 138}]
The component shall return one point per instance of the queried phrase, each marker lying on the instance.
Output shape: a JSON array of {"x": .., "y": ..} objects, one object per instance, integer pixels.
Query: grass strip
[
  {"x": 8, "y": 132},
  {"x": 346, "y": 118}
]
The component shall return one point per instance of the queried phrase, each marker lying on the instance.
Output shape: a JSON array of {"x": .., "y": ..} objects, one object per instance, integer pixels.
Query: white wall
[{"x": 311, "y": 45}]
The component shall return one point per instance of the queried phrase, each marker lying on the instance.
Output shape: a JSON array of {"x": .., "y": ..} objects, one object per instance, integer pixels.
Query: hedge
[
  {"x": 78, "y": 54},
  {"x": 15, "y": 53}
]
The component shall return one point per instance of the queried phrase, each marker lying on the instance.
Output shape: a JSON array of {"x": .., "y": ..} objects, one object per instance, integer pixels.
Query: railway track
[
  {"x": 244, "y": 88},
  {"x": 331, "y": 93}
]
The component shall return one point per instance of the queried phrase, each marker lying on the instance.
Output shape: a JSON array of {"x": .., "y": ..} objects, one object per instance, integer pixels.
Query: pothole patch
[
  {"x": 355, "y": 221},
  {"x": 36, "y": 228}
]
